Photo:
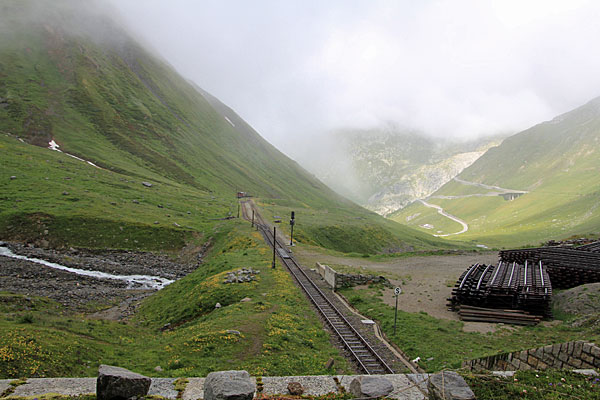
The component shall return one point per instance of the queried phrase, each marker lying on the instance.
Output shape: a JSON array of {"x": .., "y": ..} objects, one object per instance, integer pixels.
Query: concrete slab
[
  {"x": 588, "y": 372},
  {"x": 313, "y": 385},
  {"x": 194, "y": 389},
  {"x": 163, "y": 387},
  {"x": 421, "y": 380},
  {"x": 404, "y": 389},
  {"x": 4, "y": 385},
  {"x": 504, "y": 374},
  {"x": 64, "y": 386}
]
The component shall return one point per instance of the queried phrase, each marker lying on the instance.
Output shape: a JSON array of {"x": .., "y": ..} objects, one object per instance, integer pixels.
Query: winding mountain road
[
  {"x": 497, "y": 192},
  {"x": 441, "y": 211}
]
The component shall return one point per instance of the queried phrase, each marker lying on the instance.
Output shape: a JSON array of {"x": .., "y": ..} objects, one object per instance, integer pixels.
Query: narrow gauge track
[{"x": 366, "y": 357}]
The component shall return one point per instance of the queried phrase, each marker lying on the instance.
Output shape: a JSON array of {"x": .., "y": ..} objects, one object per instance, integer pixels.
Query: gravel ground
[{"x": 426, "y": 281}]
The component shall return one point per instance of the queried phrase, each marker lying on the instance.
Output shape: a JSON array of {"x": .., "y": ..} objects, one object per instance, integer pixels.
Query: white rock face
[
  {"x": 420, "y": 184},
  {"x": 388, "y": 168}
]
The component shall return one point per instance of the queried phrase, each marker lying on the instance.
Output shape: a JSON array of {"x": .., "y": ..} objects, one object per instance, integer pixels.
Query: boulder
[
  {"x": 147, "y": 184},
  {"x": 229, "y": 385},
  {"x": 295, "y": 388},
  {"x": 116, "y": 383},
  {"x": 449, "y": 385},
  {"x": 371, "y": 386}
]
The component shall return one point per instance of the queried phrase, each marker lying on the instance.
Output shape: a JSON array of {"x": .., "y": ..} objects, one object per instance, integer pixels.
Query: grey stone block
[
  {"x": 574, "y": 362},
  {"x": 118, "y": 383},
  {"x": 313, "y": 385},
  {"x": 421, "y": 380},
  {"x": 577, "y": 348},
  {"x": 595, "y": 351},
  {"x": 229, "y": 385},
  {"x": 371, "y": 386},
  {"x": 449, "y": 385},
  {"x": 563, "y": 357},
  {"x": 556, "y": 350}
]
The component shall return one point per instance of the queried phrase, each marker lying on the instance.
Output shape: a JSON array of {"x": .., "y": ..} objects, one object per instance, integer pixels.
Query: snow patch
[
  {"x": 228, "y": 120},
  {"x": 52, "y": 145}
]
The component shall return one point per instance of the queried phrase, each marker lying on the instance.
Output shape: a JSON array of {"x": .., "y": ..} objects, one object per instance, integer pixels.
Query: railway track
[{"x": 361, "y": 351}]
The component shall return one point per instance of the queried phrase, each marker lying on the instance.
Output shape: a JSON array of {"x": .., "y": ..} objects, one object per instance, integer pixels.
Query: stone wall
[
  {"x": 338, "y": 280},
  {"x": 570, "y": 355}
]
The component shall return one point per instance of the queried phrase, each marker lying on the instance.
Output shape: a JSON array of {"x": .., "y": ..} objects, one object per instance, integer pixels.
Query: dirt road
[{"x": 426, "y": 281}]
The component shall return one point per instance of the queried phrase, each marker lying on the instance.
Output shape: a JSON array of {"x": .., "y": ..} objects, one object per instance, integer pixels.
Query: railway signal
[
  {"x": 397, "y": 292},
  {"x": 292, "y": 222}
]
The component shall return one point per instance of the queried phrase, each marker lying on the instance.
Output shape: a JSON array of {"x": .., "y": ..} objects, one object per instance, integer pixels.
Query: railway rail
[{"x": 361, "y": 351}]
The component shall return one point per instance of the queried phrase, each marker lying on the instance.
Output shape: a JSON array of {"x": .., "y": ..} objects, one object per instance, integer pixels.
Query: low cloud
[{"x": 460, "y": 69}]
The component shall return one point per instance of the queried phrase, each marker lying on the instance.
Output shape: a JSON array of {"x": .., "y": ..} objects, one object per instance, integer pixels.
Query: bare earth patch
[{"x": 426, "y": 281}]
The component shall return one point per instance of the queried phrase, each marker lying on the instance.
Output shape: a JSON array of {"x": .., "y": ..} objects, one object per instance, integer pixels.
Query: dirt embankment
[{"x": 581, "y": 300}]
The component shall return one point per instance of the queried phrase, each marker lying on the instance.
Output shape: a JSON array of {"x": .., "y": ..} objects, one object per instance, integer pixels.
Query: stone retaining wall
[
  {"x": 338, "y": 280},
  {"x": 405, "y": 387},
  {"x": 570, "y": 355}
]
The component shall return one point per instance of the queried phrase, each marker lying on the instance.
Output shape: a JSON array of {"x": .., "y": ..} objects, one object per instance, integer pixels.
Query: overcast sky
[{"x": 297, "y": 69}]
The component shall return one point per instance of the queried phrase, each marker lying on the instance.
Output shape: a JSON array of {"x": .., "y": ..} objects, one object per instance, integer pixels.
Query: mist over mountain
[{"x": 385, "y": 169}]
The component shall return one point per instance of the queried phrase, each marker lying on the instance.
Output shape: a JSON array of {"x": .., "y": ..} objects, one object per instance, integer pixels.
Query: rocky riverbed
[{"x": 80, "y": 293}]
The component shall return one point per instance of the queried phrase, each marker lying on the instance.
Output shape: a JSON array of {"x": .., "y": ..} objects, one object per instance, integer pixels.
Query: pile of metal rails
[
  {"x": 567, "y": 267},
  {"x": 508, "y": 292}
]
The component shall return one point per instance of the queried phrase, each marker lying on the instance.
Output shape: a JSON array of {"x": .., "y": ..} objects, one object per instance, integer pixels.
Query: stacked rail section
[
  {"x": 518, "y": 289},
  {"x": 500, "y": 289},
  {"x": 567, "y": 267}
]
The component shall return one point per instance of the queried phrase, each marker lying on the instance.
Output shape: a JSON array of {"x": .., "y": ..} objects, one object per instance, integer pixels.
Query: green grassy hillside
[
  {"x": 275, "y": 333},
  {"x": 70, "y": 73},
  {"x": 556, "y": 162}
]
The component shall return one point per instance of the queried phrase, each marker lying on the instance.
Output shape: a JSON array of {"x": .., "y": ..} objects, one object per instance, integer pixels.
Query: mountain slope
[
  {"x": 70, "y": 74},
  {"x": 552, "y": 171}
]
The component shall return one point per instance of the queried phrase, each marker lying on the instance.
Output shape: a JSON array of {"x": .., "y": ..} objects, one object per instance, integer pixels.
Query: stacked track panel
[
  {"x": 508, "y": 285},
  {"x": 592, "y": 247},
  {"x": 567, "y": 267}
]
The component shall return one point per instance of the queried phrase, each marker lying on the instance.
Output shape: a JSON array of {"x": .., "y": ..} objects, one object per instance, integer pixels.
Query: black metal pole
[
  {"x": 238, "y": 208},
  {"x": 396, "y": 315},
  {"x": 292, "y": 223},
  {"x": 274, "y": 245},
  {"x": 253, "y": 218}
]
